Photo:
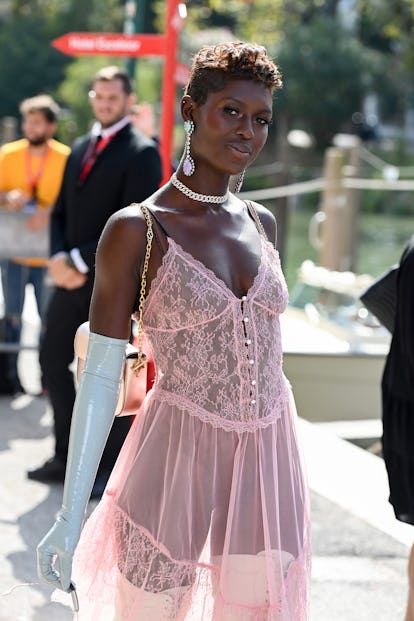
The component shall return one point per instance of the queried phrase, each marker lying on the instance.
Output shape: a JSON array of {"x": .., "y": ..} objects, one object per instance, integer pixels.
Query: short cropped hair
[
  {"x": 107, "y": 74},
  {"x": 41, "y": 103},
  {"x": 213, "y": 66}
]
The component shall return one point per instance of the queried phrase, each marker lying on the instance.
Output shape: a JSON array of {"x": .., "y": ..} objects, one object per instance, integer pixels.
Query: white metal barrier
[{"x": 16, "y": 239}]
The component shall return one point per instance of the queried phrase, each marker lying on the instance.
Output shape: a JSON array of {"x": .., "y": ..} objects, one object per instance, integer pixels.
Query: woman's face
[{"x": 231, "y": 127}]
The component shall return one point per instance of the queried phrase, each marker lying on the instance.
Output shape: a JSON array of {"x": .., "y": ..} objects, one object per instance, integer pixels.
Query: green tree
[
  {"x": 327, "y": 74},
  {"x": 388, "y": 26},
  {"x": 263, "y": 21},
  {"x": 328, "y": 69},
  {"x": 84, "y": 15},
  {"x": 29, "y": 63}
]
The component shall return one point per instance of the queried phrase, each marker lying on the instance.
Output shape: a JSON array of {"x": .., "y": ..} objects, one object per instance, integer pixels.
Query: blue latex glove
[{"x": 93, "y": 415}]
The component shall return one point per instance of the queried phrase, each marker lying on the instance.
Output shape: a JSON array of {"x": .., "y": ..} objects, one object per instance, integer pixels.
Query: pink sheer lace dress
[{"x": 206, "y": 514}]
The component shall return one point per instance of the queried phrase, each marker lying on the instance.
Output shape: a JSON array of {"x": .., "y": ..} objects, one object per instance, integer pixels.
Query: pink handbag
[{"x": 133, "y": 386}]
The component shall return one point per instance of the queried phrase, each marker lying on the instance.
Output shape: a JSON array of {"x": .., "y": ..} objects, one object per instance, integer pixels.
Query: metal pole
[
  {"x": 133, "y": 23},
  {"x": 169, "y": 87}
]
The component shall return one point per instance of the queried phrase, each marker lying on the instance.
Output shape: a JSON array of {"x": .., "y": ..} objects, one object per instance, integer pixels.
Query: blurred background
[
  {"x": 338, "y": 172},
  {"x": 347, "y": 68}
]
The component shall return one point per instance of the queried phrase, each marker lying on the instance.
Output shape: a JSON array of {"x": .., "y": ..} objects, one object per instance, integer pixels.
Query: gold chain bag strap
[
  {"x": 133, "y": 385},
  {"x": 255, "y": 215},
  {"x": 141, "y": 361}
]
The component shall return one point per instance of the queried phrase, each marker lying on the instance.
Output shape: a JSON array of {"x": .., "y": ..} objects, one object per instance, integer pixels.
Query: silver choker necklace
[{"x": 195, "y": 196}]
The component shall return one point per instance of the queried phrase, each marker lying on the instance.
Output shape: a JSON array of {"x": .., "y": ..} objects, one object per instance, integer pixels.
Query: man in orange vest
[{"x": 31, "y": 172}]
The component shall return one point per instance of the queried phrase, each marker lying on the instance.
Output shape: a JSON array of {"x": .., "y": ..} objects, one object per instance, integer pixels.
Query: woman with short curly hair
[{"x": 206, "y": 515}]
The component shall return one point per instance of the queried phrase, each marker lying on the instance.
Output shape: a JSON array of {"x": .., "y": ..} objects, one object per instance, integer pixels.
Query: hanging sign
[{"x": 111, "y": 44}]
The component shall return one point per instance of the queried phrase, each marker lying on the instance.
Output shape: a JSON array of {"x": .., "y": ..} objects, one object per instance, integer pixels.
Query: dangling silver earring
[
  {"x": 239, "y": 183},
  {"x": 188, "y": 164}
]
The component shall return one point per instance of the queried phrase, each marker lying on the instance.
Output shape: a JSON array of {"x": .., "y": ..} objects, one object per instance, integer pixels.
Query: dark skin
[{"x": 231, "y": 128}]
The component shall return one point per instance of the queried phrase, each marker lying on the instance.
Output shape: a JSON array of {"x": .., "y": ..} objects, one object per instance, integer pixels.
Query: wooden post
[
  {"x": 353, "y": 200},
  {"x": 334, "y": 253}
]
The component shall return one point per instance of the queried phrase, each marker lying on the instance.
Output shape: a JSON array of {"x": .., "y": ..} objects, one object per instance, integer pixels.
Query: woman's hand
[
  {"x": 117, "y": 284},
  {"x": 55, "y": 552},
  {"x": 92, "y": 419},
  {"x": 64, "y": 276},
  {"x": 16, "y": 200}
]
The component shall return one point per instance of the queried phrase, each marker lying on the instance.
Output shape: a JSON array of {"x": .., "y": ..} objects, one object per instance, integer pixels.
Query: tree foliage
[
  {"x": 29, "y": 63},
  {"x": 389, "y": 26},
  {"x": 321, "y": 96},
  {"x": 328, "y": 68}
]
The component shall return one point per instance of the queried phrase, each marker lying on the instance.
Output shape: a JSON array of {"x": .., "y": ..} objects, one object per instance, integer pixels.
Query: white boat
[{"x": 334, "y": 350}]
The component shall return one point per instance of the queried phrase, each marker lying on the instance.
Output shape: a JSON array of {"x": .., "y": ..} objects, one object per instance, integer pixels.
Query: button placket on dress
[{"x": 249, "y": 345}]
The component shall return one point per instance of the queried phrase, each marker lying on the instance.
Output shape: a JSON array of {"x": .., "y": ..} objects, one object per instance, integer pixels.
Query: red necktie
[{"x": 91, "y": 155}]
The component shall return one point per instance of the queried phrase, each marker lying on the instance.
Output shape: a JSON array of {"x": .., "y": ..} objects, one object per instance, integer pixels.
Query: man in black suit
[{"x": 109, "y": 168}]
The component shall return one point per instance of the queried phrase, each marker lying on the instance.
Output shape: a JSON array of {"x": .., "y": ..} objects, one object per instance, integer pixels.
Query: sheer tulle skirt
[{"x": 199, "y": 524}]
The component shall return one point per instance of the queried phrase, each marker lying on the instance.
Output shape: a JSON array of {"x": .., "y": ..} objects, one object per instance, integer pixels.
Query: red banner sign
[{"x": 98, "y": 44}]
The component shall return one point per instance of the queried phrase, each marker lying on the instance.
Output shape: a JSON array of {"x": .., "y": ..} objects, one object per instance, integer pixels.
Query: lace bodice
[
  {"x": 216, "y": 355},
  {"x": 206, "y": 513}
]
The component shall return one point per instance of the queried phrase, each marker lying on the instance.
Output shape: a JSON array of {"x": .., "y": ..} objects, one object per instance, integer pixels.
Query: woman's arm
[
  {"x": 119, "y": 252},
  {"x": 119, "y": 261}
]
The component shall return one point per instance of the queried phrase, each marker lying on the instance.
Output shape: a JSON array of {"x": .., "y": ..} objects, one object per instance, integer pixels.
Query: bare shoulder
[
  {"x": 124, "y": 236},
  {"x": 127, "y": 224},
  {"x": 268, "y": 221}
]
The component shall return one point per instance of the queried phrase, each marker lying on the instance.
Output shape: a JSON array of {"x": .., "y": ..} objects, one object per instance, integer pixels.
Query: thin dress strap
[
  {"x": 255, "y": 216},
  {"x": 160, "y": 233}
]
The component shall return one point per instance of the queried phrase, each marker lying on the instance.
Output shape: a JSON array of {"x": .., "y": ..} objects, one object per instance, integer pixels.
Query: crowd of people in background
[{"x": 72, "y": 192}]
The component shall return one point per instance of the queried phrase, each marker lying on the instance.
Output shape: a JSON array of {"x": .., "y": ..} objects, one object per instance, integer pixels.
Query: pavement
[{"x": 359, "y": 550}]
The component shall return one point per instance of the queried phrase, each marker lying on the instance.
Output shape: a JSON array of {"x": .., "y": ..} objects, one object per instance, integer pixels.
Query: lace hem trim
[
  {"x": 158, "y": 572},
  {"x": 216, "y": 421}
]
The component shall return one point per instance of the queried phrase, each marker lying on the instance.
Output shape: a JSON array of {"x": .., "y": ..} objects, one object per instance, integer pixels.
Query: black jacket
[
  {"x": 398, "y": 377},
  {"x": 127, "y": 170}
]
